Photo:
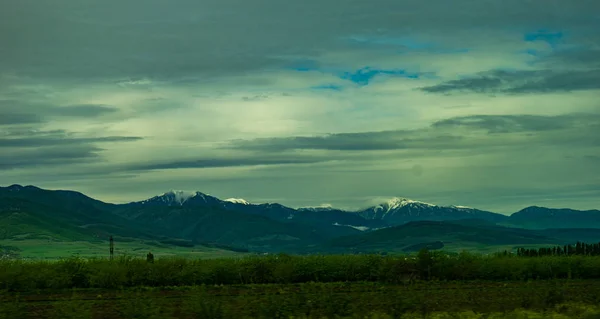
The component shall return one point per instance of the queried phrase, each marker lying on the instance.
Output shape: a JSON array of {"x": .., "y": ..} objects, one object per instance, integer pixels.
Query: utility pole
[{"x": 112, "y": 248}]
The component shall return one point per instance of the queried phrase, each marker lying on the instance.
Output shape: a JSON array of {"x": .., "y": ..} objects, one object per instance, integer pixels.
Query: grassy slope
[
  {"x": 42, "y": 231},
  {"x": 71, "y": 216},
  {"x": 453, "y": 234},
  {"x": 212, "y": 224},
  {"x": 41, "y": 249}
]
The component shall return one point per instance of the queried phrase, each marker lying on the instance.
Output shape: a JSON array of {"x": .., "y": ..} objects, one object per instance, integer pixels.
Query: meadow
[
  {"x": 429, "y": 284},
  {"x": 39, "y": 249}
]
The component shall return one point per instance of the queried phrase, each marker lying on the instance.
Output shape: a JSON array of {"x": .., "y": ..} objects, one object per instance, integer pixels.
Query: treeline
[
  {"x": 579, "y": 248},
  {"x": 133, "y": 272}
]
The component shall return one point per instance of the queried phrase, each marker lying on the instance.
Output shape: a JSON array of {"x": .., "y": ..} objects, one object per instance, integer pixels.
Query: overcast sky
[{"x": 490, "y": 104}]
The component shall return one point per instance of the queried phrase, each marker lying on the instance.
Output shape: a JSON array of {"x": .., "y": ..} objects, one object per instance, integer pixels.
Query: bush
[{"x": 135, "y": 272}]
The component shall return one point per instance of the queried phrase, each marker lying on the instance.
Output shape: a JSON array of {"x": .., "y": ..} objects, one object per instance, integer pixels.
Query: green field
[
  {"x": 426, "y": 285},
  {"x": 43, "y": 249}
]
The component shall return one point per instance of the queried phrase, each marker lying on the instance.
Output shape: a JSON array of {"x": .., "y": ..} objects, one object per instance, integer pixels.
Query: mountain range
[{"x": 197, "y": 218}]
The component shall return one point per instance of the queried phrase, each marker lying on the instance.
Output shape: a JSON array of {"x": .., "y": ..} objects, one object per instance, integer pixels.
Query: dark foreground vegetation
[
  {"x": 124, "y": 272},
  {"x": 537, "y": 299},
  {"x": 429, "y": 284}
]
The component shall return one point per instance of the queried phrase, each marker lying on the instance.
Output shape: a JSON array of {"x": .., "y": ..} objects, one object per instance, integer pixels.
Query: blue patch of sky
[
  {"x": 532, "y": 52},
  {"x": 305, "y": 65},
  {"x": 362, "y": 76},
  {"x": 365, "y": 75},
  {"x": 553, "y": 38}
]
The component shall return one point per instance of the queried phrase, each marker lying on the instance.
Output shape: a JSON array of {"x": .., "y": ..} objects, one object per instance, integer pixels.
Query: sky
[{"x": 493, "y": 104}]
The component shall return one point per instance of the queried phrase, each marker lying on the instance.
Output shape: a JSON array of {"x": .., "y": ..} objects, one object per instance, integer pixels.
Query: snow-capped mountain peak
[
  {"x": 179, "y": 196},
  {"x": 461, "y": 207},
  {"x": 397, "y": 202},
  {"x": 172, "y": 197},
  {"x": 237, "y": 201},
  {"x": 319, "y": 208}
]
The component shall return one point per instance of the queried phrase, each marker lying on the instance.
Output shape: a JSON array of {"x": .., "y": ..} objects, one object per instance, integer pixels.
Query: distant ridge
[{"x": 201, "y": 218}]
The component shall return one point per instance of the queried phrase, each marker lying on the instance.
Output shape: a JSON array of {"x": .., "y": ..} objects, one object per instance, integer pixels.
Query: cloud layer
[{"x": 492, "y": 104}]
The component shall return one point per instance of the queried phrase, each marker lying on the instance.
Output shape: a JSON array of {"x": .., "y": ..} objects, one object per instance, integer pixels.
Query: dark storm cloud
[
  {"x": 226, "y": 162},
  {"x": 50, "y": 140},
  {"x": 588, "y": 57},
  {"x": 18, "y": 118},
  {"x": 22, "y": 132},
  {"x": 522, "y": 82},
  {"x": 15, "y": 112},
  {"x": 85, "y": 110},
  {"x": 12, "y": 158},
  {"x": 518, "y": 123},
  {"x": 558, "y": 81},
  {"x": 550, "y": 37},
  {"x": 21, "y": 148},
  {"x": 367, "y": 141},
  {"x": 481, "y": 84},
  {"x": 203, "y": 39},
  {"x": 441, "y": 135}
]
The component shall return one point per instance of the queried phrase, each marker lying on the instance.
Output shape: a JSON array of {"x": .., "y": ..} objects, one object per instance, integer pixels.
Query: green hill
[
  {"x": 414, "y": 234},
  {"x": 163, "y": 222},
  {"x": 217, "y": 225}
]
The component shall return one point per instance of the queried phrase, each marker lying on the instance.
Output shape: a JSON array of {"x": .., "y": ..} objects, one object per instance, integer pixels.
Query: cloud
[
  {"x": 18, "y": 118},
  {"x": 27, "y": 148},
  {"x": 521, "y": 82},
  {"x": 233, "y": 161},
  {"x": 362, "y": 76},
  {"x": 311, "y": 97},
  {"x": 304, "y": 65},
  {"x": 550, "y": 37},
  {"x": 441, "y": 135},
  {"x": 587, "y": 57},
  {"x": 367, "y": 141},
  {"x": 255, "y": 98},
  {"x": 16, "y": 112},
  {"x": 86, "y": 110},
  {"x": 402, "y": 45},
  {"x": 406, "y": 43},
  {"x": 331, "y": 87},
  {"x": 201, "y": 40},
  {"x": 50, "y": 140},
  {"x": 48, "y": 156},
  {"x": 365, "y": 75},
  {"x": 518, "y": 123}
]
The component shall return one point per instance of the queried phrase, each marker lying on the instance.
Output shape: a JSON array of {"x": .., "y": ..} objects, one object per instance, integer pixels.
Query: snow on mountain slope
[
  {"x": 402, "y": 210},
  {"x": 361, "y": 228},
  {"x": 320, "y": 208},
  {"x": 395, "y": 211},
  {"x": 173, "y": 197},
  {"x": 396, "y": 203},
  {"x": 237, "y": 201}
]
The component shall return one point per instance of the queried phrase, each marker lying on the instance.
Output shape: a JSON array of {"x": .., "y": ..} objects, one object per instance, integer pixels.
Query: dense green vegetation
[
  {"x": 542, "y": 299},
  {"x": 134, "y": 272},
  {"x": 39, "y": 249},
  {"x": 461, "y": 285},
  {"x": 579, "y": 248}
]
